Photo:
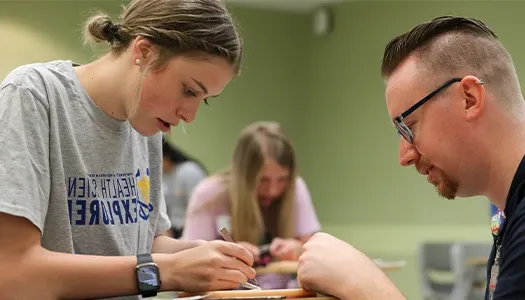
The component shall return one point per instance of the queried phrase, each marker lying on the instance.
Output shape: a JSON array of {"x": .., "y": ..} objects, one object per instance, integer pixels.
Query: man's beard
[{"x": 445, "y": 186}]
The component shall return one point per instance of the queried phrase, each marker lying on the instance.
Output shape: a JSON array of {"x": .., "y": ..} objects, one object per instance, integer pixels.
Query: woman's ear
[{"x": 143, "y": 52}]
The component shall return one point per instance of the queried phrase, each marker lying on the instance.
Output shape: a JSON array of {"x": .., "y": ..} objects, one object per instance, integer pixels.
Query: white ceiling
[{"x": 299, "y": 6}]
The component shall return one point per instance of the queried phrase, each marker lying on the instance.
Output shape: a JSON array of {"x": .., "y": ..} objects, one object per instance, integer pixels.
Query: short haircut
[{"x": 452, "y": 46}]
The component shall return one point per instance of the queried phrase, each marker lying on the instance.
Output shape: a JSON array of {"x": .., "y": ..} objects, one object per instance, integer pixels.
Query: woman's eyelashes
[{"x": 188, "y": 92}]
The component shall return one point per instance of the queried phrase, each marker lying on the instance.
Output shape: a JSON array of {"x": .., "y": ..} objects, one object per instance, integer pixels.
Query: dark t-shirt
[{"x": 510, "y": 283}]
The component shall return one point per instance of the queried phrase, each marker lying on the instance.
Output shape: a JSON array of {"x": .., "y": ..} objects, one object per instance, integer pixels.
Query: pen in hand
[{"x": 227, "y": 237}]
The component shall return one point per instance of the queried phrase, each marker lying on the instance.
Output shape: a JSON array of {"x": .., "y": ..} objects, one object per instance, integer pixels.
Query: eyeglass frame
[{"x": 402, "y": 128}]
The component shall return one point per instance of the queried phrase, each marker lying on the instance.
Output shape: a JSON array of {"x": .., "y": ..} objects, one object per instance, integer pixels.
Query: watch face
[{"x": 148, "y": 277}]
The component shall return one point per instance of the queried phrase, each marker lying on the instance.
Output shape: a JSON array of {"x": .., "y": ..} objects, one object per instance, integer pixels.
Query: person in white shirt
[{"x": 181, "y": 173}]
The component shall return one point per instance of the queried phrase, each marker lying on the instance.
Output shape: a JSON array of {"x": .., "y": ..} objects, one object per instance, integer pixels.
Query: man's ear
[{"x": 473, "y": 93}]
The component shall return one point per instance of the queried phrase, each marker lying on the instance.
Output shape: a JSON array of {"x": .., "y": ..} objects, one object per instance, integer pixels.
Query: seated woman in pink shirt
[{"x": 259, "y": 198}]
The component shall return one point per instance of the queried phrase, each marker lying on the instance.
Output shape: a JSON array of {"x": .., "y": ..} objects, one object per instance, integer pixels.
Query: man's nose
[{"x": 408, "y": 154}]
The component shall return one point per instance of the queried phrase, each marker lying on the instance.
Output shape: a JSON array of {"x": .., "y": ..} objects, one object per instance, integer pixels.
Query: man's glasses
[{"x": 402, "y": 128}]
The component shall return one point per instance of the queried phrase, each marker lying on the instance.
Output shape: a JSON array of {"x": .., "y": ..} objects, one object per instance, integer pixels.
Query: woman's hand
[
  {"x": 215, "y": 265},
  {"x": 285, "y": 249},
  {"x": 253, "y": 249}
]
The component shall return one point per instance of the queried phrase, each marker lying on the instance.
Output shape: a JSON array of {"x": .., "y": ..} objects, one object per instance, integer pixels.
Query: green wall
[
  {"x": 360, "y": 175},
  {"x": 327, "y": 93},
  {"x": 271, "y": 87}
]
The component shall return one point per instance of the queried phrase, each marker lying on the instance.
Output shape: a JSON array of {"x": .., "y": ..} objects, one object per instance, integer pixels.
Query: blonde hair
[
  {"x": 176, "y": 27},
  {"x": 257, "y": 143}
]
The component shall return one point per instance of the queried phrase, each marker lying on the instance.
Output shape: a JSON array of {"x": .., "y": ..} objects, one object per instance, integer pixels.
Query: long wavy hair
[{"x": 257, "y": 143}]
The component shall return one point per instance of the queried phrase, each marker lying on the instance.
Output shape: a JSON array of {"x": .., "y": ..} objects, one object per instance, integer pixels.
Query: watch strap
[
  {"x": 149, "y": 294},
  {"x": 144, "y": 258}
]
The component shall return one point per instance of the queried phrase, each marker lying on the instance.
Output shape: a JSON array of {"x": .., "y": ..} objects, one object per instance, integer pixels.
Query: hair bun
[
  {"x": 112, "y": 32},
  {"x": 100, "y": 28}
]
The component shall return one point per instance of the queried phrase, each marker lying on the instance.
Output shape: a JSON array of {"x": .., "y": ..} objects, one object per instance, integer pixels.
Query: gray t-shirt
[
  {"x": 178, "y": 186},
  {"x": 90, "y": 183}
]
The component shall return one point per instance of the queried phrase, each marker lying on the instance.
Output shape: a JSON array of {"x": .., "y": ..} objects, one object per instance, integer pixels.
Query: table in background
[
  {"x": 477, "y": 261},
  {"x": 290, "y": 267}
]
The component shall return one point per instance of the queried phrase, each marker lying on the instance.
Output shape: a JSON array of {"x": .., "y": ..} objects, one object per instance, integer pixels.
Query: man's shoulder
[{"x": 511, "y": 271}]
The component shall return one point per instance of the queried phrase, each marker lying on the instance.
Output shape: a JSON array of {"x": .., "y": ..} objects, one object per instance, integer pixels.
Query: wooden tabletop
[
  {"x": 297, "y": 293},
  {"x": 477, "y": 261},
  {"x": 290, "y": 267},
  {"x": 278, "y": 267}
]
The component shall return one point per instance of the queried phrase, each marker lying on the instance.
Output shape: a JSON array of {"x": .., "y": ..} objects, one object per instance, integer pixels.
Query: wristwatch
[{"x": 147, "y": 275}]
